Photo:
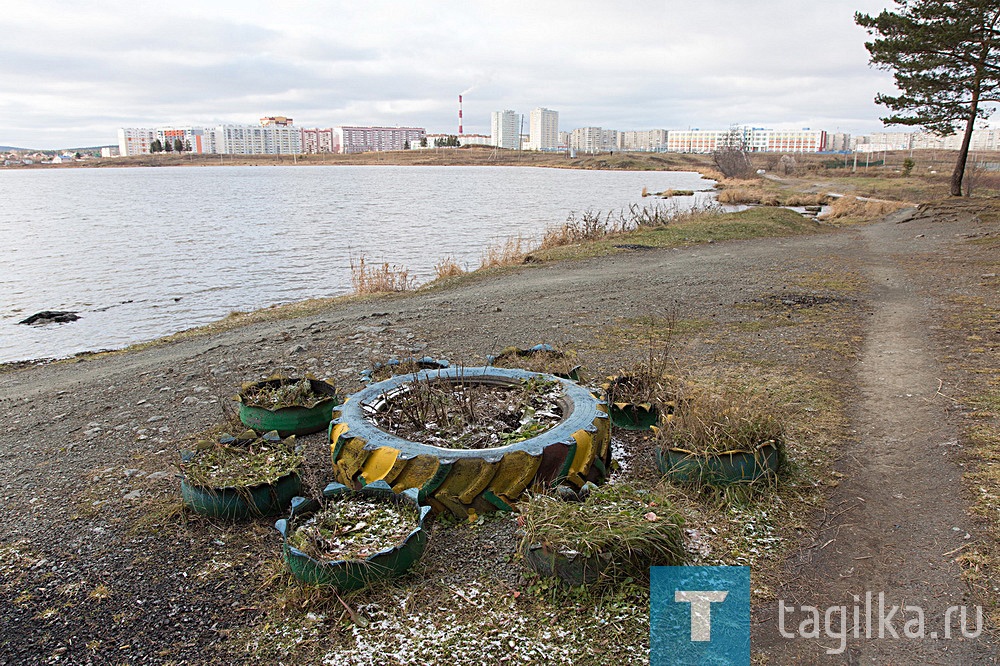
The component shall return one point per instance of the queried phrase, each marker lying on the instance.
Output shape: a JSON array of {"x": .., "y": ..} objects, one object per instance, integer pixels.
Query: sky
[{"x": 73, "y": 72}]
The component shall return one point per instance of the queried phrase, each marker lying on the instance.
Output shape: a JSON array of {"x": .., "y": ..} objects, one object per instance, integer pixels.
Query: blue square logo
[{"x": 699, "y": 615}]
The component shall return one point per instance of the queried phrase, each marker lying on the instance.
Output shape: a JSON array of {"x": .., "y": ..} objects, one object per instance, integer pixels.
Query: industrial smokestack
[{"x": 460, "y": 132}]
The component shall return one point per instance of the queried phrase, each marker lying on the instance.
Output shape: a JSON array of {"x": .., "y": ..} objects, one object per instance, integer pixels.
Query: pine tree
[{"x": 945, "y": 59}]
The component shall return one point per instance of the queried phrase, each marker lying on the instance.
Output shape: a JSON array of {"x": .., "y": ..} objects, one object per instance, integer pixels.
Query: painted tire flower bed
[
  {"x": 241, "y": 477},
  {"x": 572, "y": 447},
  {"x": 352, "y": 538},
  {"x": 721, "y": 439},
  {"x": 540, "y": 358},
  {"x": 632, "y": 404},
  {"x": 617, "y": 531},
  {"x": 289, "y": 406}
]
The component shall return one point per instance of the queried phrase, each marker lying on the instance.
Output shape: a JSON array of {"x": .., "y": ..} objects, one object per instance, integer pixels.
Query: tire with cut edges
[{"x": 469, "y": 481}]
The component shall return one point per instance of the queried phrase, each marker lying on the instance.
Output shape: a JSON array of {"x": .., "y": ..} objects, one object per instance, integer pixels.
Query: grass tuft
[
  {"x": 637, "y": 528},
  {"x": 378, "y": 279}
]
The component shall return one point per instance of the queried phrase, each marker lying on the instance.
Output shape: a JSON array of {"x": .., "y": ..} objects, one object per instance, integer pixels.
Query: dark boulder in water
[{"x": 50, "y": 317}]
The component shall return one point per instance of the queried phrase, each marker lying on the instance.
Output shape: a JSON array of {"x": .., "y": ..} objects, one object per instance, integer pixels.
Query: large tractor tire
[{"x": 466, "y": 481}]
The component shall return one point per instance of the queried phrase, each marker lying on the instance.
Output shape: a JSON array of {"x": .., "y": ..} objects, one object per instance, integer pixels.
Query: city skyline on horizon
[{"x": 77, "y": 73}]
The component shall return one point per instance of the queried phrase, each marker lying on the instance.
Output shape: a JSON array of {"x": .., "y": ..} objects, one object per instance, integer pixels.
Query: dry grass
[
  {"x": 803, "y": 199},
  {"x": 510, "y": 253},
  {"x": 852, "y": 207},
  {"x": 709, "y": 421},
  {"x": 748, "y": 195},
  {"x": 379, "y": 278},
  {"x": 638, "y": 529},
  {"x": 447, "y": 268}
]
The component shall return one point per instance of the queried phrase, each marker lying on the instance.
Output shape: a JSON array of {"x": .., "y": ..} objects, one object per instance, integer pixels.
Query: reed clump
[
  {"x": 511, "y": 252},
  {"x": 446, "y": 268},
  {"x": 748, "y": 195},
  {"x": 367, "y": 278}
]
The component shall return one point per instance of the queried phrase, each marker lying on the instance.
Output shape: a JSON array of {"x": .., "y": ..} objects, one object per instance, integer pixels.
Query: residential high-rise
[
  {"x": 544, "y": 129},
  {"x": 505, "y": 129},
  {"x": 354, "y": 139}
]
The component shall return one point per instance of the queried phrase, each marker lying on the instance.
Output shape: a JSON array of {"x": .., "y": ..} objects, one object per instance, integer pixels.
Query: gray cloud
[{"x": 74, "y": 73}]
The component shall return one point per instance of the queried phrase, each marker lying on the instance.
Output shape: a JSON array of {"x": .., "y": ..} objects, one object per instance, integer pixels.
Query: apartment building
[
  {"x": 357, "y": 139},
  {"x": 270, "y": 139},
  {"x": 505, "y": 131},
  {"x": 273, "y": 138},
  {"x": 985, "y": 139},
  {"x": 135, "y": 140},
  {"x": 594, "y": 140},
  {"x": 644, "y": 140},
  {"x": 756, "y": 139},
  {"x": 319, "y": 141},
  {"x": 543, "y": 129}
]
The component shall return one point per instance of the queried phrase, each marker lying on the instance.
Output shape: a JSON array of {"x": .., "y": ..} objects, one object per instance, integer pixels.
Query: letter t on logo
[{"x": 701, "y": 611}]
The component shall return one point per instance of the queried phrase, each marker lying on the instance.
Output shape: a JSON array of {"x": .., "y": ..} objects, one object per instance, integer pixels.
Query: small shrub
[{"x": 807, "y": 200}]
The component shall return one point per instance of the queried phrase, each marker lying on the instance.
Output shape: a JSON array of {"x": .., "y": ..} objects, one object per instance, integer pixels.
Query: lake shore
[{"x": 472, "y": 156}]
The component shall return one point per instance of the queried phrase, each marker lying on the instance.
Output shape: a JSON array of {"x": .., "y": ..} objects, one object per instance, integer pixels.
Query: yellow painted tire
[{"x": 467, "y": 481}]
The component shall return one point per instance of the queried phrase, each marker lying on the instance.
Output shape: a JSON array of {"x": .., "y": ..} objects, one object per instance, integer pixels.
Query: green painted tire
[
  {"x": 266, "y": 499},
  {"x": 466, "y": 482},
  {"x": 575, "y": 569},
  {"x": 722, "y": 468},
  {"x": 293, "y": 420},
  {"x": 347, "y": 575}
]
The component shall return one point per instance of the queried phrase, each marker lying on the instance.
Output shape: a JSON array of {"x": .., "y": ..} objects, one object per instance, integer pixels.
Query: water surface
[{"x": 145, "y": 252}]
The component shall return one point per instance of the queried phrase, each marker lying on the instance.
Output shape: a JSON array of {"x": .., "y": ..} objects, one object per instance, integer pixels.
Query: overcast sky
[{"x": 72, "y": 72}]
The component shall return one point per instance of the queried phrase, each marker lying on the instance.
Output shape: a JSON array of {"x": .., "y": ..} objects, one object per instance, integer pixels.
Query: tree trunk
[{"x": 963, "y": 155}]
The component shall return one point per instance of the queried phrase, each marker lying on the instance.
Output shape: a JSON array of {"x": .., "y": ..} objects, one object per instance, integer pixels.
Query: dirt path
[{"x": 896, "y": 522}]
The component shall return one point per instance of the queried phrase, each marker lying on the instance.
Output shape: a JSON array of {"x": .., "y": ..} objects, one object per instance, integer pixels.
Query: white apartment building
[
  {"x": 474, "y": 140},
  {"x": 594, "y": 140},
  {"x": 356, "y": 139},
  {"x": 505, "y": 131},
  {"x": 135, "y": 140},
  {"x": 543, "y": 129},
  {"x": 985, "y": 139},
  {"x": 644, "y": 140},
  {"x": 756, "y": 139},
  {"x": 258, "y": 140},
  {"x": 268, "y": 139}
]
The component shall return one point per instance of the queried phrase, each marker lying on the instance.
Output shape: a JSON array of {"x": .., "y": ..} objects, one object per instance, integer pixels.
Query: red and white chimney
[{"x": 460, "y": 132}]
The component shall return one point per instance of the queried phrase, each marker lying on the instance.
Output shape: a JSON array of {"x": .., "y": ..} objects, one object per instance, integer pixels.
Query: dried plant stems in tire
[
  {"x": 540, "y": 358},
  {"x": 464, "y": 481},
  {"x": 352, "y": 538},
  {"x": 241, "y": 477}
]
